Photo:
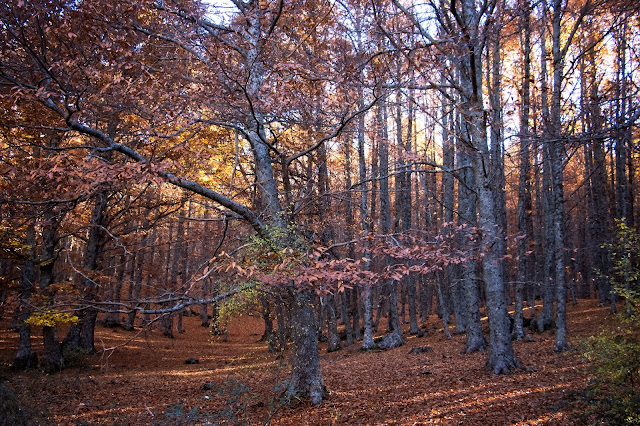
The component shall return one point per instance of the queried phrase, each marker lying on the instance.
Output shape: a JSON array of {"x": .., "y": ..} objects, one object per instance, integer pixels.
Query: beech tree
[{"x": 249, "y": 39}]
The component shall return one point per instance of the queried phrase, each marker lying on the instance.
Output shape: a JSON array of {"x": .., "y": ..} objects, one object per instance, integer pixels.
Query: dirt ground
[{"x": 239, "y": 381}]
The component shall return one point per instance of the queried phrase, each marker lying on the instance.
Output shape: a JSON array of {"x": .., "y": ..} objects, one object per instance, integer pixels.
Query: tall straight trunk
[
  {"x": 357, "y": 307},
  {"x": 166, "y": 321},
  {"x": 598, "y": 213},
  {"x": 621, "y": 182},
  {"x": 407, "y": 222},
  {"x": 385, "y": 210},
  {"x": 146, "y": 277},
  {"x": 363, "y": 296},
  {"x": 497, "y": 145},
  {"x": 204, "y": 307},
  {"x": 524, "y": 220},
  {"x": 622, "y": 142},
  {"x": 324, "y": 205},
  {"x": 400, "y": 174},
  {"x": 545, "y": 320},
  {"x": 332, "y": 325},
  {"x": 381, "y": 295},
  {"x": 345, "y": 297},
  {"x": 365, "y": 223},
  {"x": 538, "y": 229},
  {"x": 501, "y": 356},
  {"x": 206, "y": 284},
  {"x": 467, "y": 202},
  {"x": 586, "y": 259},
  {"x": 452, "y": 272},
  {"x": 184, "y": 267},
  {"x": 129, "y": 274},
  {"x": 557, "y": 168},
  {"x": 268, "y": 334},
  {"x": 422, "y": 299}
]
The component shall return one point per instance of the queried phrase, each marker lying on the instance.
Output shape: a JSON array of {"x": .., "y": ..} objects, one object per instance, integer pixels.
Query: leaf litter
[{"x": 238, "y": 381}]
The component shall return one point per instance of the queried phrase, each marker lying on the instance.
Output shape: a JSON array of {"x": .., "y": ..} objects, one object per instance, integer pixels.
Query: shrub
[{"x": 615, "y": 353}]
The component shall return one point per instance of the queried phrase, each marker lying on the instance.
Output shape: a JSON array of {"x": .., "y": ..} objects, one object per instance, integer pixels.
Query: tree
[
  {"x": 251, "y": 53},
  {"x": 467, "y": 25},
  {"x": 524, "y": 214}
]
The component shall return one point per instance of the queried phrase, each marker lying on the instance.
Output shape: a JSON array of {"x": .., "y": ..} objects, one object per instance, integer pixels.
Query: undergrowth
[
  {"x": 237, "y": 398},
  {"x": 615, "y": 353}
]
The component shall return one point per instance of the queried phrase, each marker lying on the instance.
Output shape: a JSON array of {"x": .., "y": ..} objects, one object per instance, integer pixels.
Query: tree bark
[
  {"x": 501, "y": 356},
  {"x": 365, "y": 223},
  {"x": 26, "y": 358},
  {"x": 332, "y": 325},
  {"x": 545, "y": 320},
  {"x": 81, "y": 334},
  {"x": 306, "y": 379},
  {"x": 112, "y": 318},
  {"x": 51, "y": 360},
  {"x": 524, "y": 219},
  {"x": 135, "y": 285},
  {"x": 557, "y": 169},
  {"x": 467, "y": 210}
]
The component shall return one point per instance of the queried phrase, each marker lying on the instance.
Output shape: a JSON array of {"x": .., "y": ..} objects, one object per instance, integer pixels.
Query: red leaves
[{"x": 313, "y": 270}]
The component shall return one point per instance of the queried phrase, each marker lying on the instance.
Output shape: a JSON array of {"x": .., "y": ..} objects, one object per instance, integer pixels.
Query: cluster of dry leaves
[{"x": 148, "y": 382}]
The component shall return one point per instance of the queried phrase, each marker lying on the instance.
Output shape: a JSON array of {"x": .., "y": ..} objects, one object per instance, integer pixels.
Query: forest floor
[{"x": 239, "y": 381}]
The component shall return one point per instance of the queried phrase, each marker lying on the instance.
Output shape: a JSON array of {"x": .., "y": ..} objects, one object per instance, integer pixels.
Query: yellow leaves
[{"x": 51, "y": 319}]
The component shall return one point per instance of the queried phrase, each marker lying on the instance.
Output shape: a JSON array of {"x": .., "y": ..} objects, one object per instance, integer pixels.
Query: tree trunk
[
  {"x": 356, "y": 306},
  {"x": 467, "y": 208},
  {"x": 268, "y": 334},
  {"x": 347, "y": 314},
  {"x": 136, "y": 279},
  {"x": 184, "y": 268},
  {"x": 456, "y": 285},
  {"x": 26, "y": 358},
  {"x": 51, "y": 360},
  {"x": 524, "y": 220},
  {"x": 545, "y": 320},
  {"x": 306, "y": 380},
  {"x": 501, "y": 356},
  {"x": 385, "y": 213},
  {"x": 348, "y": 295},
  {"x": 204, "y": 308},
  {"x": 112, "y": 318},
  {"x": 365, "y": 223},
  {"x": 557, "y": 166},
  {"x": 81, "y": 334},
  {"x": 283, "y": 329},
  {"x": 332, "y": 325},
  {"x": 443, "y": 307},
  {"x": 494, "y": 83},
  {"x": 406, "y": 206}
]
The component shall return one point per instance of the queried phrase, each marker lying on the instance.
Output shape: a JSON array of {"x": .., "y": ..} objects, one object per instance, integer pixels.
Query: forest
[{"x": 340, "y": 181}]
